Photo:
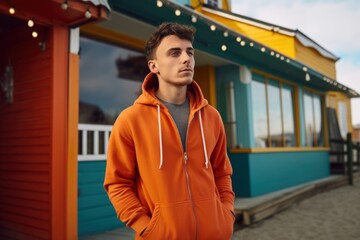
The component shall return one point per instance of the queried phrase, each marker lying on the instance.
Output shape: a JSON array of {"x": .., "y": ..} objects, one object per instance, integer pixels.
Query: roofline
[
  {"x": 301, "y": 37},
  {"x": 233, "y": 35}
]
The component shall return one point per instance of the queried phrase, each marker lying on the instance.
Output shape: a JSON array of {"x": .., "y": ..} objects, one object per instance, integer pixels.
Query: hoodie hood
[{"x": 197, "y": 102}]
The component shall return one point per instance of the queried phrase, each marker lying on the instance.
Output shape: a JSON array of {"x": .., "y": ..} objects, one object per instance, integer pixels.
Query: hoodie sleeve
[
  {"x": 120, "y": 176},
  {"x": 223, "y": 170}
]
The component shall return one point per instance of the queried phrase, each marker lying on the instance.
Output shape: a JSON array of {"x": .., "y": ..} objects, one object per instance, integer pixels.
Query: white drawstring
[
  {"x": 160, "y": 137},
  {"x": 202, "y": 137},
  {"x": 203, "y": 140}
]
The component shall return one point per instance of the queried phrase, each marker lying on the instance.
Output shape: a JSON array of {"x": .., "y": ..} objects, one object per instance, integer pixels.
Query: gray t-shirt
[{"x": 180, "y": 114}]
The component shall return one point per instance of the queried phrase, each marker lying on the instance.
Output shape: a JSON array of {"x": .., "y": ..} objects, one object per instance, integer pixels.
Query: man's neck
[{"x": 172, "y": 94}]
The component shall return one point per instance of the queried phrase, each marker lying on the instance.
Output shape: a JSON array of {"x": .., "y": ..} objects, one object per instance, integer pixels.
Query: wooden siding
[
  {"x": 95, "y": 214},
  {"x": 25, "y": 140},
  {"x": 313, "y": 58}
]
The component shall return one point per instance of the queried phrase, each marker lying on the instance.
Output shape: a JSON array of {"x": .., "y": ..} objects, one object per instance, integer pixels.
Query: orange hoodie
[{"x": 159, "y": 190}]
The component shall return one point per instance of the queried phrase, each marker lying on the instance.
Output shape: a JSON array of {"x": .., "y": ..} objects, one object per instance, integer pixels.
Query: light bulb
[
  {"x": 34, "y": 34},
  {"x": 159, "y": 3},
  {"x": 223, "y": 47},
  {"x": 177, "y": 12},
  {"x": 31, "y": 23},
  {"x": 238, "y": 39},
  {"x": 87, "y": 14},
  {"x": 64, "y": 5},
  {"x": 194, "y": 19},
  {"x": 263, "y": 49},
  {"x": 242, "y": 43},
  {"x": 226, "y": 34},
  {"x": 213, "y": 27},
  {"x": 12, "y": 10}
]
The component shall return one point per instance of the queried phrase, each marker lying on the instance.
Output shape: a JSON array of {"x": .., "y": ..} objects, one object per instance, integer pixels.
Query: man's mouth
[{"x": 186, "y": 70}]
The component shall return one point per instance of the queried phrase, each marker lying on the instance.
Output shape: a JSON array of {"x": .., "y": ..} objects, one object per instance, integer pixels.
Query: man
[{"x": 167, "y": 173}]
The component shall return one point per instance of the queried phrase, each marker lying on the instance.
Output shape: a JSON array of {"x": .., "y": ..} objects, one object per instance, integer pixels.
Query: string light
[
  {"x": 12, "y": 10},
  {"x": 194, "y": 19},
  {"x": 87, "y": 14},
  {"x": 159, "y": 3},
  {"x": 64, "y": 5},
  {"x": 30, "y": 23},
  {"x": 34, "y": 34}
]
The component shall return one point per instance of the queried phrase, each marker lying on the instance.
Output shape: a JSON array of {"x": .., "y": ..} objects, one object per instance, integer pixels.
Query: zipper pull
[{"x": 185, "y": 157}]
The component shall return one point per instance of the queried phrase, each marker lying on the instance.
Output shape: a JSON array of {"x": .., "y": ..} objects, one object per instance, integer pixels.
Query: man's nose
[{"x": 185, "y": 58}]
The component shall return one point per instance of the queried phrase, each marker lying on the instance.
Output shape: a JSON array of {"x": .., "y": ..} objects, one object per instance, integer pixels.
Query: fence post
[{"x": 349, "y": 149}]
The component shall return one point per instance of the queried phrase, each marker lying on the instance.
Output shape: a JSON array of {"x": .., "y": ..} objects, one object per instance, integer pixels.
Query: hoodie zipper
[
  {"x": 187, "y": 172},
  {"x": 188, "y": 181}
]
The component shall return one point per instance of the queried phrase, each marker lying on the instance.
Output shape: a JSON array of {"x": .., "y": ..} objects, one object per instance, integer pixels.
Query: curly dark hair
[{"x": 164, "y": 30}]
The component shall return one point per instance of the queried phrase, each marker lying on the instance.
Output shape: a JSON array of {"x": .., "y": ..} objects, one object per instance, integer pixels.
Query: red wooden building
[{"x": 39, "y": 99}]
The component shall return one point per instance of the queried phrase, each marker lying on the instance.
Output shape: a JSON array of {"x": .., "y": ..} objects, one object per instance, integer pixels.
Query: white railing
[{"x": 93, "y": 141}]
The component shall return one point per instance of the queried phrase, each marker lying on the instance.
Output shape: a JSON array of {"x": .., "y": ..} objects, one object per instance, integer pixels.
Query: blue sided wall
[
  {"x": 256, "y": 174},
  {"x": 95, "y": 212}
]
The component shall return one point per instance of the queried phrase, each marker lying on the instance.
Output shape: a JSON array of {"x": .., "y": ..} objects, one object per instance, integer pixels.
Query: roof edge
[{"x": 305, "y": 40}]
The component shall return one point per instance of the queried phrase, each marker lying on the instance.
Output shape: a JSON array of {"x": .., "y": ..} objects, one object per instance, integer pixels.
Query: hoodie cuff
[{"x": 141, "y": 223}]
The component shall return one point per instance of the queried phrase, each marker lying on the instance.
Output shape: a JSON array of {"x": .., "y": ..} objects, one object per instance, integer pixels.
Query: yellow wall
[
  {"x": 313, "y": 58},
  {"x": 225, "y": 4}
]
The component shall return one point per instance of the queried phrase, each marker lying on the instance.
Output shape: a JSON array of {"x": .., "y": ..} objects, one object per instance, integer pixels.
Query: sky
[{"x": 333, "y": 24}]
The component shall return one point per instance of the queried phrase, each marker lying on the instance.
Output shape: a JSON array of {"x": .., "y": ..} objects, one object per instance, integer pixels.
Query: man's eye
[
  {"x": 191, "y": 53},
  {"x": 174, "y": 53}
]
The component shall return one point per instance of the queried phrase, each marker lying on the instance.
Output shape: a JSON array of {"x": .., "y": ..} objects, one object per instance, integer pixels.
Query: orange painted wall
[{"x": 33, "y": 136}]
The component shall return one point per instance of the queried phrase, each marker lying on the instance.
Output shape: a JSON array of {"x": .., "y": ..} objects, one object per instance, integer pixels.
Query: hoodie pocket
[
  {"x": 215, "y": 222},
  {"x": 171, "y": 221}
]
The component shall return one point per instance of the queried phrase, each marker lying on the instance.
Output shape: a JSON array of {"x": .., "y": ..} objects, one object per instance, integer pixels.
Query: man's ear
[{"x": 153, "y": 66}]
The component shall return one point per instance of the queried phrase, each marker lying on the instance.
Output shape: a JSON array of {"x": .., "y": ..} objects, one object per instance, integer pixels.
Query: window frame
[
  {"x": 266, "y": 78},
  {"x": 323, "y": 117}
]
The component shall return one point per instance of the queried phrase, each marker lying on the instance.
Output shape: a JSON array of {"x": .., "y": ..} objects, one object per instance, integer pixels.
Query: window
[
  {"x": 273, "y": 113},
  {"x": 313, "y": 120},
  {"x": 110, "y": 80}
]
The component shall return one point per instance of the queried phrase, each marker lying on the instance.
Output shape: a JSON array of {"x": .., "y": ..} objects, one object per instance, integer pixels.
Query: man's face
[{"x": 174, "y": 61}]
